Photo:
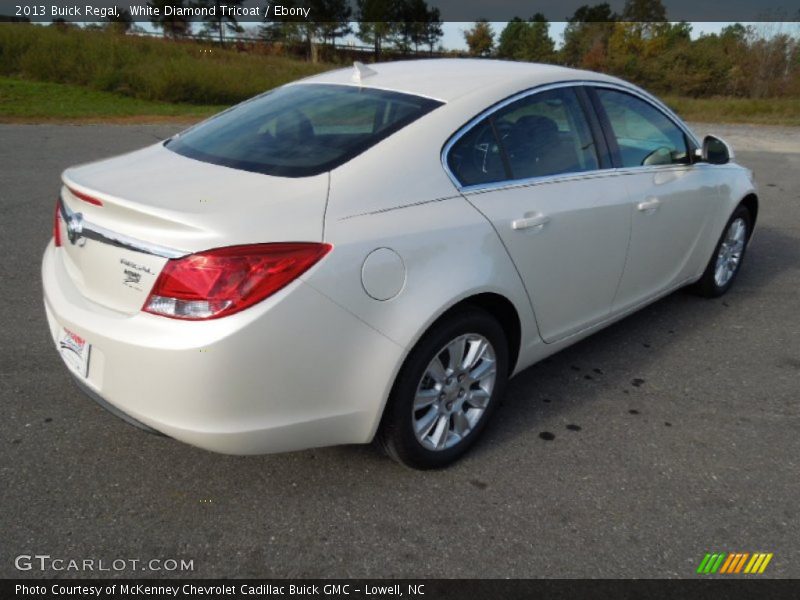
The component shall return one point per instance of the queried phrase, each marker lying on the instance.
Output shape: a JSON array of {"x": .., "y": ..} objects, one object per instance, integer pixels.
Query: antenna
[{"x": 362, "y": 71}]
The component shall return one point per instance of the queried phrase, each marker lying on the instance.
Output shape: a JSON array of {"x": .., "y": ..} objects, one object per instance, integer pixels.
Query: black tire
[
  {"x": 396, "y": 433},
  {"x": 707, "y": 285}
]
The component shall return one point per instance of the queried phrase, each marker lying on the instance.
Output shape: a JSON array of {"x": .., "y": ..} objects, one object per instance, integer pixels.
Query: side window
[
  {"x": 476, "y": 157},
  {"x": 546, "y": 134},
  {"x": 645, "y": 135}
]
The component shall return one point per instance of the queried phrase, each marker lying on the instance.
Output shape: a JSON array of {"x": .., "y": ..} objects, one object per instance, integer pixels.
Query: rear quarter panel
[{"x": 449, "y": 252}]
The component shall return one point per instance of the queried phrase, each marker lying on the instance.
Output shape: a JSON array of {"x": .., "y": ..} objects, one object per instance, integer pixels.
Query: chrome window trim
[
  {"x": 92, "y": 231},
  {"x": 505, "y": 183},
  {"x": 572, "y": 176}
]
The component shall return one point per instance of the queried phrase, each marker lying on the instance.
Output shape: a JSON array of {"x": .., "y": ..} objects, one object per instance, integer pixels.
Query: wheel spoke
[
  {"x": 485, "y": 369},
  {"x": 426, "y": 423},
  {"x": 738, "y": 235},
  {"x": 721, "y": 275},
  {"x": 461, "y": 424},
  {"x": 455, "y": 350},
  {"x": 425, "y": 398},
  {"x": 437, "y": 371},
  {"x": 479, "y": 398},
  {"x": 439, "y": 435},
  {"x": 477, "y": 348},
  {"x": 473, "y": 416}
]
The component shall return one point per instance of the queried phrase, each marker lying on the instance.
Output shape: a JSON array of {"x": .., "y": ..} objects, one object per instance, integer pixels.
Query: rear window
[{"x": 301, "y": 130}]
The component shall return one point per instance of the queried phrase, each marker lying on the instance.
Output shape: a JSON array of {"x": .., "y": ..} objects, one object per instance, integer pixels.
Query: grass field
[
  {"x": 761, "y": 111},
  {"x": 144, "y": 68},
  {"x": 22, "y": 100}
]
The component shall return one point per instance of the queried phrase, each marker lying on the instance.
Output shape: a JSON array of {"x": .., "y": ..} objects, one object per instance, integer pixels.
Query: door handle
[
  {"x": 535, "y": 220},
  {"x": 649, "y": 205}
]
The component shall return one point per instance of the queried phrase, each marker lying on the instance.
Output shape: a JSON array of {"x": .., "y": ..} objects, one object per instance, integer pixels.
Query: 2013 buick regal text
[
  {"x": 375, "y": 252},
  {"x": 66, "y": 11}
]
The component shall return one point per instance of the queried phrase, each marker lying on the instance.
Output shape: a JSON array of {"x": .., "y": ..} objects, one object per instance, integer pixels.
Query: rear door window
[{"x": 545, "y": 133}]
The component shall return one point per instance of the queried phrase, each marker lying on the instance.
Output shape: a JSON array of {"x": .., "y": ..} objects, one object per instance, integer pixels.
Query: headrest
[
  {"x": 537, "y": 126},
  {"x": 293, "y": 125}
]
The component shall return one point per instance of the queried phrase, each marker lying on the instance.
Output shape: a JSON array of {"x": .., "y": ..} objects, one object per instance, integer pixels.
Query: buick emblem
[{"x": 74, "y": 227}]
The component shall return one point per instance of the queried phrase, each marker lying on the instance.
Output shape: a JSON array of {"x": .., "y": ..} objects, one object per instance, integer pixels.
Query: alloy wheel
[
  {"x": 454, "y": 392},
  {"x": 730, "y": 252}
]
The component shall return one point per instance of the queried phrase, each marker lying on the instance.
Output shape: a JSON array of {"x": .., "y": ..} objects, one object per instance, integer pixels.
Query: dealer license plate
[{"x": 75, "y": 351}]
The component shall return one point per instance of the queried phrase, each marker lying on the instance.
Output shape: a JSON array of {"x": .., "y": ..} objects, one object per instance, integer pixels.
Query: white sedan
[{"x": 373, "y": 252}]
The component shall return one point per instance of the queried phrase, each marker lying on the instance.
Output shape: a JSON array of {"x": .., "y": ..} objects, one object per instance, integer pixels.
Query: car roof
[{"x": 448, "y": 79}]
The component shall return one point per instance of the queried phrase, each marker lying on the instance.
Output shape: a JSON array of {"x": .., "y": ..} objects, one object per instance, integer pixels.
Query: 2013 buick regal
[{"x": 375, "y": 251}]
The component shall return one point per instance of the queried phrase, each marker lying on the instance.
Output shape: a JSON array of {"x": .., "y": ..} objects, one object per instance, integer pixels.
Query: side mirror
[{"x": 715, "y": 151}]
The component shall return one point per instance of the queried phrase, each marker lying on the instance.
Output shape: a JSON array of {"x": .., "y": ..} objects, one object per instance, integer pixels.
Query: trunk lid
[{"x": 155, "y": 204}]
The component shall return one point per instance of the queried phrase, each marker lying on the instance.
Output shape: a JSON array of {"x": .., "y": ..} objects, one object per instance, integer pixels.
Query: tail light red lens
[
  {"x": 221, "y": 282},
  {"x": 57, "y": 224}
]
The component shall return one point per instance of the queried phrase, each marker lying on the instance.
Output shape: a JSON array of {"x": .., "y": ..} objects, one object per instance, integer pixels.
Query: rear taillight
[
  {"x": 220, "y": 282},
  {"x": 57, "y": 224}
]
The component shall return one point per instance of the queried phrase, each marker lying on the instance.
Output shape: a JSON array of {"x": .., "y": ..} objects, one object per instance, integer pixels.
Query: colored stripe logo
[{"x": 734, "y": 563}]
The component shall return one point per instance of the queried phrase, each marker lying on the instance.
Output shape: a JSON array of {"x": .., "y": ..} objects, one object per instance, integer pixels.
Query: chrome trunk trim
[{"x": 79, "y": 228}]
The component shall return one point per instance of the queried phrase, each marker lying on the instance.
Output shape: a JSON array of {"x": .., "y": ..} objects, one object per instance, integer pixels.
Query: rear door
[
  {"x": 535, "y": 169},
  {"x": 672, "y": 199}
]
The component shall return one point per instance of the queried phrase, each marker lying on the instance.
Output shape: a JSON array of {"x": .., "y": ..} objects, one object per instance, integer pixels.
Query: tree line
[
  {"x": 402, "y": 25},
  {"x": 640, "y": 45}
]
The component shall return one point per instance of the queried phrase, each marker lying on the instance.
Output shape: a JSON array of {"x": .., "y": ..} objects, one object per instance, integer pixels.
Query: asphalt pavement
[{"x": 673, "y": 433}]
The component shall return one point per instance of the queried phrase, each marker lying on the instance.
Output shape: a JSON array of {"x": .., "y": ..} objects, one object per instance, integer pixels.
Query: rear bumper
[
  {"x": 79, "y": 383},
  {"x": 295, "y": 371}
]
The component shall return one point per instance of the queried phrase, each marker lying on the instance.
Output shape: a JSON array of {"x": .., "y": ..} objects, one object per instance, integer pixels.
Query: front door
[{"x": 672, "y": 199}]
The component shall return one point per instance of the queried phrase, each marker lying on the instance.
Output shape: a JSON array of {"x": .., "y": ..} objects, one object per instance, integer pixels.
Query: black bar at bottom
[{"x": 716, "y": 588}]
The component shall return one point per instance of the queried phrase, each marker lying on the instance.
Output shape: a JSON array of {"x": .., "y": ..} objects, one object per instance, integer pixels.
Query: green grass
[
  {"x": 35, "y": 100},
  {"x": 22, "y": 99},
  {"x": 760, "y": 111},
  {"x": 144, "y": 68}
]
